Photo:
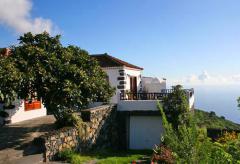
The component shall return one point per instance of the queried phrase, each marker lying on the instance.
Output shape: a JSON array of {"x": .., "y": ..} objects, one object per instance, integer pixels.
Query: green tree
[
  {"x": 63, "y": 77},
  {"x": 238, "y": 100},
  {"x": 176, "y": 106},
  {"x": 187, "y": 141}
]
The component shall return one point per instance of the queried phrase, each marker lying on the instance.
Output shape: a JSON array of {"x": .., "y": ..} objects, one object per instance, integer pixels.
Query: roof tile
[{"x": 106, "y": 60}]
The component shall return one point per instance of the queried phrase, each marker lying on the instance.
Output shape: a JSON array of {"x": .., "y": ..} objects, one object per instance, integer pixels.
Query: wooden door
[{"x": 133, "y": 84}]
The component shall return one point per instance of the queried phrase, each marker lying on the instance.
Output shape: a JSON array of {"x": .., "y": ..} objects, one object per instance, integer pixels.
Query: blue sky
[{"x": 186, "y": 41}]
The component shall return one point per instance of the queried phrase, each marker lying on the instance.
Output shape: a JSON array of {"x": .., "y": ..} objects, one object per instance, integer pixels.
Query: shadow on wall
[
  {"x": 108, "y": 132},
  {"x": 101, "y": 129}
]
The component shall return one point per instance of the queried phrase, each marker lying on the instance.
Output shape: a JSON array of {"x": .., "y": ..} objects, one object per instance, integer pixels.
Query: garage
[{"x": 144, "y": 131}]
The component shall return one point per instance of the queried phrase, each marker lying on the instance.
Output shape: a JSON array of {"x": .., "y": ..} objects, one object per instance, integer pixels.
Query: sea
[{"x": 222, "y": 99}]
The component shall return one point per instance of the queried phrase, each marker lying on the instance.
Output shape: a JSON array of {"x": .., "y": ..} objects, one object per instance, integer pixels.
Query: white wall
[
  {"x": 144, "y": 105},
  {"x": 19, "y": 114},
  {"x": 153, "y": 84},
  {"x": 137, "y": 105},
  {"x": 132, "y": 72},
  {"x": 191, "y": 101},
  {"x": 113, "y": 74},
  {"x": 145, "y": 131}
]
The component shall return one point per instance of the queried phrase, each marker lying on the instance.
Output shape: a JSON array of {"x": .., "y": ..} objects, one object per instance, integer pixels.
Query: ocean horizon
[{"x": 222, "y": 99}]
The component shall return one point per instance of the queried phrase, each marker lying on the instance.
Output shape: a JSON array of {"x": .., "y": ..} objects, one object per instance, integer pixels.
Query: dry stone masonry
[
  {"x": 57, "y": 141},
  {"x": 99, "y": 130}
]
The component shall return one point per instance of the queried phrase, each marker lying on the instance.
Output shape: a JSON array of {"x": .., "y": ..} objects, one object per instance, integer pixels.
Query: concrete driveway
[{"x": 16, "y": 144}]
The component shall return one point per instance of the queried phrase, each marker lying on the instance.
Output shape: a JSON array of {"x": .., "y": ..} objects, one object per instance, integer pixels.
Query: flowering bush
[
  {"x": 227, "y": 136},
  {"x": 230, "y": 143},
  {"x": 162, "y": 154}
]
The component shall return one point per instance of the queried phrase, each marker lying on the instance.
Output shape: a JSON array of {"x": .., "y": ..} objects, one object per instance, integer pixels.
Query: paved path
[{"x": 16, "y": 140}]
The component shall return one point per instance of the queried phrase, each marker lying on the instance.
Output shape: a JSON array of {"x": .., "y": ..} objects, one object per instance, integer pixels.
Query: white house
[
  {"x": 22, "y": 110},
  {"x": 125, "y": 77},
  {"x": 136, "y": 99}
]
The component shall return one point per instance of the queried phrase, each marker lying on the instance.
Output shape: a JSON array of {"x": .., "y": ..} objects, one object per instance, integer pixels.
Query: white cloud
[
  {"x": 206, "y": 78},
  {"x": 16, "y": 14},
  {"x": 236, "y": 78}
]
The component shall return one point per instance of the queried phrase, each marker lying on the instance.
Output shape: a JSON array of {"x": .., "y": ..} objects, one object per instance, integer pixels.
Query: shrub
[
  {"x": 230, "y": 143},
  {"x": 222, "y": 117},
  {"x": 228, "y": 136},
  {"x": 189, "y": 143},
  {"x": 233, "y": 148},
  {"x": 176, "y": 106},
  {"x": 3, "y": 114},
  {"x": 9, "y": 106},
  {"x": 218, "y": 154},
  {"x": 69, "y": 119},
  {"x": 212, "y": 114},
  {"x": 162, "y": 154},
  {"x": 65, "y": 155}
]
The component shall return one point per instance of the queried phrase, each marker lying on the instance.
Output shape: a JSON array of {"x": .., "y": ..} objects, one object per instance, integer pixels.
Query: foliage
[
  {"x": 212, "y": 114},
  {"x": 230, "y": 144},
  {"x": 238, "y": 100},
  {"x": 222, "y": 117},
  {"x": 227, "y": 136},
  {"x": 162, "y": 154},
  {"x": 1, "y": 50},
  {"x": 10, "y": 106},
  {"x": 176, "y": 106},
  {"x": 63, "y": 77},
  {"x": 104, "y": 156},
  {"x": 3, "y": 114},
  {"x": 204, "y": 119},
  {"x": 218, "y": 154},
  {"x": 10, "y": 78},
  {"x": 189, "y": 143},
  {"x": 70, "y": 119},
  {"x": 228, "y": 152}
]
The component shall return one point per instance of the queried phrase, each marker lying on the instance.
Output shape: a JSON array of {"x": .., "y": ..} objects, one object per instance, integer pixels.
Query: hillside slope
[{"x": 211, "y": 120}]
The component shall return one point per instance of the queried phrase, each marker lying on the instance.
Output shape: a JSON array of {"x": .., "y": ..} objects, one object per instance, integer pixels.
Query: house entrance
[{"x": 133, "y": 84}]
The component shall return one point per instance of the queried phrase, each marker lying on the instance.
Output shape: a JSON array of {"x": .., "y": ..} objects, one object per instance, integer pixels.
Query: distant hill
[{"x": 211, "y": 120}]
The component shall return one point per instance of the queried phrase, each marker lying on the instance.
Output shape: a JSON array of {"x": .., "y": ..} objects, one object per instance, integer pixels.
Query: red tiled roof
[{"x": 106, "y": 60}]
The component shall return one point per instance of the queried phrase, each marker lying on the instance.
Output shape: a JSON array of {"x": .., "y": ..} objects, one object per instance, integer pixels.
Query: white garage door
[{"x": 145, "y": 131}]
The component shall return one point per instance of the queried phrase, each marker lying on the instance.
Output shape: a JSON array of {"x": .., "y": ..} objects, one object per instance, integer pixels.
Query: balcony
[
  {"x": 148, "y": 101},
  {"x": 152, "y": 96}
]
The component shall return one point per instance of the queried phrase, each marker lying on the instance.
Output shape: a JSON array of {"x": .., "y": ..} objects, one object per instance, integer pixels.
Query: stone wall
[
  {"x": 99, "y": 130},
  {"x": 57, "y": 141},
  {"x": 100, "y": 127}
]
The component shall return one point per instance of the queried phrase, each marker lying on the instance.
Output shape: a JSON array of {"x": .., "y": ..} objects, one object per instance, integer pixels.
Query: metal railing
[{"x": 151, "y": 96}]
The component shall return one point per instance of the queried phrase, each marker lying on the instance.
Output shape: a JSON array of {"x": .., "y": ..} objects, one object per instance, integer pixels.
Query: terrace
[
  {"x": 147, "y": 101},
  {"x": 152, "y": 96}
]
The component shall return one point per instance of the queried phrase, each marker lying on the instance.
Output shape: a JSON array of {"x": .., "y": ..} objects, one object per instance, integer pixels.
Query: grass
[
  {"x": 211, "y": 120},
  {"x": 107, "y": 156}
]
